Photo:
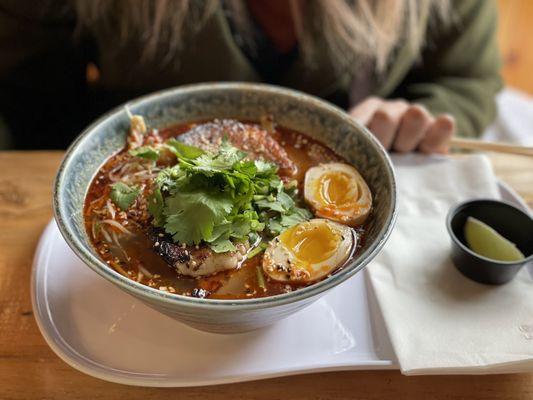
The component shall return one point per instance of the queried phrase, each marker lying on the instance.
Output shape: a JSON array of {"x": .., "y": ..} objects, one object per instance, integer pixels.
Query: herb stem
[
  {"x": 260, "y": 278},
  {"x": 257, "y": 250}
]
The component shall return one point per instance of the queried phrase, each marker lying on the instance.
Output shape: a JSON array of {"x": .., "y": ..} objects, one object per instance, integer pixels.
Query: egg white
[
  {"x": 354, "y": 212},
  {"x": 280, "y": 262}
]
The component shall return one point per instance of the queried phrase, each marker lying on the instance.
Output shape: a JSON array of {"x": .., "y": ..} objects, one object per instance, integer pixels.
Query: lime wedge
[{"x": 486, "y": 242}]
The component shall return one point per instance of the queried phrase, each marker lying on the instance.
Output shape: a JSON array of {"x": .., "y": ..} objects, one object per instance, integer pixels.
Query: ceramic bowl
[{"x": 291, "y": 109}]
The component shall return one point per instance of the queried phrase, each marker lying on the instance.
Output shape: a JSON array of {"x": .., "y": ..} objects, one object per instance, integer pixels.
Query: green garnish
[
  {"x": 260, "y": 277},
  {"x": 221, "y": 198},
  {"x": 257, "y": 250},
  {"x": 123, "y": 195},
  {"x": 155, "y": 207},
  {"x": 148, "y": 152},
  {"x": 182, "y": 150}
]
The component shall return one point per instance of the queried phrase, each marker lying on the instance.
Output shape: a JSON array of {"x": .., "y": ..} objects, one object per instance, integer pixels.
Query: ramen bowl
[{"x": 293, "y": 110}]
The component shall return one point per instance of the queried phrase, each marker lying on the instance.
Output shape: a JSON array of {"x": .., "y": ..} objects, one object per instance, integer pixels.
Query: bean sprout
[
  {"x": 117, "y": 225},
  {"x": 110, "y": 208},
  {"x": 107, "y": 238}
]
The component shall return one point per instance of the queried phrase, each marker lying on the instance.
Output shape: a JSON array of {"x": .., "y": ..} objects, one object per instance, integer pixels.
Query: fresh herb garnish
[
  {"x": 123, "y": 195},
  {"x": 257, "y": 250},
  {"x": 221, "y": 198},
  {"x": 182, "y": 150},
  {"x": 288, "y": 219},
  {"x": 260, "y": 278},
  {"x": 148, "y": 152},
  {"x": 155, "y": 207}
]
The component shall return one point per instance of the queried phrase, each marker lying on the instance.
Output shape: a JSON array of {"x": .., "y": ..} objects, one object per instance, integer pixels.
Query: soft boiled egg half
[
  {"x": 338, "y": 192},
  {"x": 308, "y": 251}
]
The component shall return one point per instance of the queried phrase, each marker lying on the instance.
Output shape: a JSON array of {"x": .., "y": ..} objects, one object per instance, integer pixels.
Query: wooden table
[
  {"x": 30, "y": 370},
  {"x": 514, "y": 33}
]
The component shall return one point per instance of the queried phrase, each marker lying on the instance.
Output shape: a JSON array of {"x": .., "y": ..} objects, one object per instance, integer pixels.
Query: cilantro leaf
[
  {"x": 229, "y": 154},
  {"x": 221, "y": 198},
  {"x": 295, "y": 216},
  {"x": 222, "y": 246},
  {"x": 285, "y": 200},
  {"x": 191, "y": 217},
  {"x": 220, "y": 232},
  {"x": 286, "y": 220},
  {"x": 245, "y": 223},
  {"x": 155, "y": 207},
  {"x": 282, "y": 203},
  {"x": 265, "y": 168},
  {"x": 182, "y": 150},
  {"x": 274, "y": 226},
  {"x": 170, "y": 179},
  {"x": 123, "y": 195},
  {"x": 148, "y": 152},
  {"x": 247, "y": 168},
  {"x": 270, "y": 205}
]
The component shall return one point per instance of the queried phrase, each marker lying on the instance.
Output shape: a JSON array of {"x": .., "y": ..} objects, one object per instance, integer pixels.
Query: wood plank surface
[
  {"x": 30, "y": 370},
  {"x": 514, "y": 36}
]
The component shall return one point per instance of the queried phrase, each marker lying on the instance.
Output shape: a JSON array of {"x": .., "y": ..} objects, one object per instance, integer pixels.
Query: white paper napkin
[
  {"x": 514, "y": 120},
  {"x": 439, "y": 321}
]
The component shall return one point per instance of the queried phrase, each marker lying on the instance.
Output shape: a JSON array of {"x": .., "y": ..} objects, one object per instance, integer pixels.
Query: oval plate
[{"x": 101, "y": 331}]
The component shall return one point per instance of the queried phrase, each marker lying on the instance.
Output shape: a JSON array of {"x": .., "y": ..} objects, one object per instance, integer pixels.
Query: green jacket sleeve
[{"x": 459, "y": 70}]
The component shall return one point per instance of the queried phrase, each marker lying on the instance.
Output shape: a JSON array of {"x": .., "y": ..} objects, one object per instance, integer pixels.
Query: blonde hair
[{"x": 345, "y": 29}]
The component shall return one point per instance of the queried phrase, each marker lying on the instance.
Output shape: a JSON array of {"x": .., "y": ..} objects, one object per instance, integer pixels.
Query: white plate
[{"x": 101, "y": 331}]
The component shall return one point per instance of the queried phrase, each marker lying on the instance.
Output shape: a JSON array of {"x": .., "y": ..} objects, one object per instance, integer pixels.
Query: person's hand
[{"x": 404, "y": 127}]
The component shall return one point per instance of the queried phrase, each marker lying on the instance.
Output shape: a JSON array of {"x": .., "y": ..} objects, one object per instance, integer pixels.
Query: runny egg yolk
[
  {"x": 308, "y": 251},
  {"x": 310, "y": 244},
  {"x": 338, "y": 192},
  {"x": 336, "y": 189}
]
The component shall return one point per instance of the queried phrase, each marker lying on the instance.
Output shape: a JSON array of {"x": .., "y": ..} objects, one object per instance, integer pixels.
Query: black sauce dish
[{"x": 511, "y": 222}]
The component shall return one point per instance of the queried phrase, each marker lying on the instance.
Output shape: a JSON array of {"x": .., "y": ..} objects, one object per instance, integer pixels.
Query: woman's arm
[
  {"x": 452, "y": 89},
  {"x": 460, "y": 70}
]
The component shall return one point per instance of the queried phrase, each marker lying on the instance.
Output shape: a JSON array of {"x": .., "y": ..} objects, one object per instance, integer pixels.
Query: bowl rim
[
  {"x": 452, "y": 213},
  {"x": 171, "y": 299}
]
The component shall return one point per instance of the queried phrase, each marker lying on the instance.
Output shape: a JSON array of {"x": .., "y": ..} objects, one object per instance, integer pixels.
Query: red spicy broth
[{"x": 121, "y": 240}]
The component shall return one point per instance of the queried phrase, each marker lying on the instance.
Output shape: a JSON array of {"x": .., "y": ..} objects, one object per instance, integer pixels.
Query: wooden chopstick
[{"x": 473, "y": 144}]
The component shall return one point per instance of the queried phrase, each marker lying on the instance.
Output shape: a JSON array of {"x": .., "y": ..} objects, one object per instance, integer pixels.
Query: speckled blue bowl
[{"x": 291, "y": 109}]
